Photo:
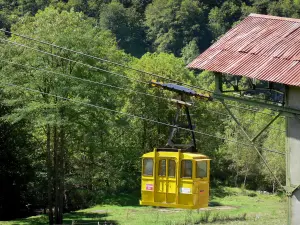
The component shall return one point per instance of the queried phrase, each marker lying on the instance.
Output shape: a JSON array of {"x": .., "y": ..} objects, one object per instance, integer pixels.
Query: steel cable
[
  {"x": 104, "y": 60},
  {"x": 133, "y": 116},
  {"x": 85, "y": 80},
  {"x": 114, "y": 73}
]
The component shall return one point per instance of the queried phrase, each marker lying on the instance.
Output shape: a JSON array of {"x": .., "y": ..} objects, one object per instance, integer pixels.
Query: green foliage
[
  {"x": 99, "y": 151},
  {"x": 222, "y": 18},
  {"x": 126, "y": 25},
  {"x": 172, "y": 24},
  {"x": 74, "y": 129},
  {"x": 11, "y": 11},
  {"x": 149, "y": 135},
  {"x": 190, "y": 52},
  {"x": 286, "y": 8},
  {"x": 16, "y": 167}
]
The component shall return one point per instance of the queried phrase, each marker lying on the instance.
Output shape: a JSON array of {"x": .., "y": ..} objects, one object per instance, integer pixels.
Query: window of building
[
  {"x": 162, "y": 167},
  {"x": 172, "y": 168},
  {"x": 201, "y": 169},
  {"x": 148, "y": 167},
  {"x": 186, "y": 168}
]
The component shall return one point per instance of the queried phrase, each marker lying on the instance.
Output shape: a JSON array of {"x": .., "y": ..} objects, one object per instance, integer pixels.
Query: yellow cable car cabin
[
  {"x": 175, "y": 179},
  {"x": 176, "y": 175}
]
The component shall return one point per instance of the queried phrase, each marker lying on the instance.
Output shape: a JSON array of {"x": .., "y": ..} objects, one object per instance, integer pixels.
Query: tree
[
  {"x": 126, "y": 25},
  {"x": 276, "y": 161},
  {"x": 222, "y": 18},
  {"x": 16, "y": 167},
  {"x": 285, "y": 8},
  {"x": 12, "y": 10},
  {"x": 190, "y": 52},
  {"x": 145, "y": 135},
  {"x": 172, "y": 24},
  {"x": 56, "y": 123},
  {"x": 261, "y": 6},
  {"x": 141, "y": 5}
]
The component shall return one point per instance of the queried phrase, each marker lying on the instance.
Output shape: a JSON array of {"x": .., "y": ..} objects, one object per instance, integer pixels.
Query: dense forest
[{"x": 71, "y": 155}]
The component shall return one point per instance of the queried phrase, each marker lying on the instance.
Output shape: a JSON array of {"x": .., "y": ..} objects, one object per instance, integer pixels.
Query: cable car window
[
  {"x": 186, "y": 168},
  {"x": 171, "y": 168},
  {"x": 162, "y": 167},
  {"x": 148, "y": 167},
  {"x": 201, "y": 169}
]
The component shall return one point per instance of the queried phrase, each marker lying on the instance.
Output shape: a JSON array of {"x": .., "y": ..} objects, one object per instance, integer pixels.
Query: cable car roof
[{"x": 187, "y": 155}]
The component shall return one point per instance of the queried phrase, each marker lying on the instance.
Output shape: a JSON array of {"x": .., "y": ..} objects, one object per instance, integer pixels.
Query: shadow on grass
[
  {"x": 72, "y": 218},
  {"x": 40, "y": 220},
  {"x": 214, "y": 204},
  {"x": 90, "y": 218},
  {"x": 219, "y": 192},
  {"x": 123, "y": 199}
]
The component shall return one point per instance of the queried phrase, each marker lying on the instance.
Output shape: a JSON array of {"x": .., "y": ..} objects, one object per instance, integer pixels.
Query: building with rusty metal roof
[{"x": 261, "y": 46}]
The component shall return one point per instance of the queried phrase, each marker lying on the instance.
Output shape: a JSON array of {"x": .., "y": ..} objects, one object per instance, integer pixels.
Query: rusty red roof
[{"x": 261, "y": 46}]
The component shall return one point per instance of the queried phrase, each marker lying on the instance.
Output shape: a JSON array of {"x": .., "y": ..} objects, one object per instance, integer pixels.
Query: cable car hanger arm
[{"x": 181, "y": 105}]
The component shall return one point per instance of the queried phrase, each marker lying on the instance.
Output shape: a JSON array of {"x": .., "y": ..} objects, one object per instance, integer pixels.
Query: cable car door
[
  {"x": 166, "y": 181},
  {"x": 201, "y": 185},
  {"x": 171, "y": 181}
]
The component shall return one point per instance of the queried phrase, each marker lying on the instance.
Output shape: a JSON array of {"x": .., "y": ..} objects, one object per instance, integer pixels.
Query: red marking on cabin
[{"x": 149, "y": 187}]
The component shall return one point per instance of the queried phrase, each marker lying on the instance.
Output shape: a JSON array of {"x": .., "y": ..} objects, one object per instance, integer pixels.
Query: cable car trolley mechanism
[{"x": 176, "y": 175}]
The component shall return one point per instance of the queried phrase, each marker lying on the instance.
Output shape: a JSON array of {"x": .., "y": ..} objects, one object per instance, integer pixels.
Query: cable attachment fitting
[{"x": 180, "y": 90}]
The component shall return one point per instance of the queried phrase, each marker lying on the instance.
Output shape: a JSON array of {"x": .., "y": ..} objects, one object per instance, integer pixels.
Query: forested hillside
[{"x": 76, "y": 154}]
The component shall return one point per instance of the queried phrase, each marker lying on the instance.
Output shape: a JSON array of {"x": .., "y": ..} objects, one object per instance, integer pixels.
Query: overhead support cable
[
  {"x": 109, "y": 85},
  {"x": 104, "y": 70},
  {"x": 133, "y": 116},
  {"x": 104, "y": 60},
  {"x": 85, "y": 80},
  {"x": 71, "y": 60}
]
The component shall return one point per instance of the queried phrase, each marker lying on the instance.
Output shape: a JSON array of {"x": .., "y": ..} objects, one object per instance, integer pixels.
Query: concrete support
[{"x": 293, "y": 155}]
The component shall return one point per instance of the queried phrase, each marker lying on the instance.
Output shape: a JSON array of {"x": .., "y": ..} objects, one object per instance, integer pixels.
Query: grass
[{"x": 231, "y": 206}]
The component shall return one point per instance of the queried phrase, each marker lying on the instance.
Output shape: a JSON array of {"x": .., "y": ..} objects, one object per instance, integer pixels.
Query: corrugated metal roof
[{"x": 261, "y": 46}]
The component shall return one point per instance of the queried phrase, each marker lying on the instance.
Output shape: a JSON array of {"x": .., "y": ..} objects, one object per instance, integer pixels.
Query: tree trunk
[
  {"x": 62, "y": 174},
  {"x": 144, "y": 137},
  {"x": 56, "y": 177},
  {"x": 245, "y": 178},
  {"x": 49, "y": 175},
  {"x": 236, "y": 178}
]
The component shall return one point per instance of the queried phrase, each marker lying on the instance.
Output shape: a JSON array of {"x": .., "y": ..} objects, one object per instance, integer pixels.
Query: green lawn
[{"x": 229, "y": 206}]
